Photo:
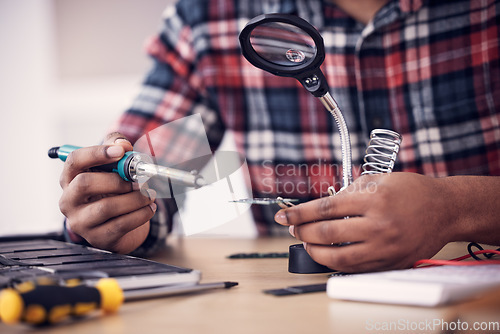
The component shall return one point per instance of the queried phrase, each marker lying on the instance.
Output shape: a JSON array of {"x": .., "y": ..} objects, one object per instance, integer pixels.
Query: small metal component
[
  {"x": 288, "y": 202},
  {"x": 285, "y": 202}
]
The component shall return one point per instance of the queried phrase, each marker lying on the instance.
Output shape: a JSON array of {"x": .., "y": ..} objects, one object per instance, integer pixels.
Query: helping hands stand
[{"x": 289, "y": 46}]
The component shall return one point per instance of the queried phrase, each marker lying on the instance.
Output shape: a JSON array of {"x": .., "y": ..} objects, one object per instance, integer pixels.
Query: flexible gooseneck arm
[{"x": 345, "y": 141}]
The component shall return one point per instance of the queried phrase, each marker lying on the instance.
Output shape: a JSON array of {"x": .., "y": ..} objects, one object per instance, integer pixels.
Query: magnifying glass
[{"x": 288, "y": 46}]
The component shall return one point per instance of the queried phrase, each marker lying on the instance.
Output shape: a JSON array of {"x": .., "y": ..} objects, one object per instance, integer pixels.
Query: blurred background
[{"x": 68, "y": 68}]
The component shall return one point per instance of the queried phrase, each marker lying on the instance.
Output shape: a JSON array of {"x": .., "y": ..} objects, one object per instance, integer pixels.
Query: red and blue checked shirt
[{"x": 429, "y": 70}]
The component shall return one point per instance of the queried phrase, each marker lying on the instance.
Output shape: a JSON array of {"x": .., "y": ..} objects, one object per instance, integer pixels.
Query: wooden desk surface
[{"x": 245, "y": 308}]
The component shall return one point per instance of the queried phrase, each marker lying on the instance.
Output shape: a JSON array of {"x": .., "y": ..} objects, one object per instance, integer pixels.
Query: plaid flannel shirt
[{"x": 426, "y": 69}]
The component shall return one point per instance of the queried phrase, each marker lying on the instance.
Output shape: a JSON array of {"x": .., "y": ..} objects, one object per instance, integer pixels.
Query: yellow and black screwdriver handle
[{"x": 39, "y": 304}]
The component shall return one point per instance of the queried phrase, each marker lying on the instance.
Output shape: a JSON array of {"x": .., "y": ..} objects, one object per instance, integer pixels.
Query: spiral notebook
[{"x": 33, "y": 260}]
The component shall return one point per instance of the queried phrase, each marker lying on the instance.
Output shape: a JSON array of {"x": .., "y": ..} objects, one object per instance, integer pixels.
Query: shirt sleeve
[
  {"x": 172, "y": 90},
  {"x": 174, "y": 87}
]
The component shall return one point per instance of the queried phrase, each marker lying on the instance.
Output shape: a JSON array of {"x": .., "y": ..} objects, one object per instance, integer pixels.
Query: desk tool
[
  {"x": 266, "y": 255},
  {"x": 297, "y": 290},
  {"x": 135, "y": 167},
  {"x": 43, "y": 303},
  {"x": 38, "y": 304},
  {"x": 288, "y": 46}
]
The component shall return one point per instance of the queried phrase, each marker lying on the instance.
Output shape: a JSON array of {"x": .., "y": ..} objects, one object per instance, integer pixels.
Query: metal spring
[{"x": 382, "y": 151}]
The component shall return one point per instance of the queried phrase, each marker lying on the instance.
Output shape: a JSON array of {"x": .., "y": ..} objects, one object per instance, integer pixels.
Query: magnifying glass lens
[{"x": 283, "y": 44}]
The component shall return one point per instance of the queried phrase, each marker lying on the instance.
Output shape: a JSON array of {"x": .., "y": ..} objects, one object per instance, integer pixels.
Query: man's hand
[
  {"x": 394, "y": 220},
  {"x": 101, "y": 207}
]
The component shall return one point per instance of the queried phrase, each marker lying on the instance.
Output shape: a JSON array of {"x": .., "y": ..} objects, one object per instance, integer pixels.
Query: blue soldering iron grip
[
  {"x": 123, "y": 164},
  {"x": 65, "y": 150},
  {"x": 120, "y": 167}
]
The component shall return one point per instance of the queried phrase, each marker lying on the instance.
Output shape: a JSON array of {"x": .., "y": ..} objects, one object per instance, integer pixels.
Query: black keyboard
[{"x": 35, "y": 259}]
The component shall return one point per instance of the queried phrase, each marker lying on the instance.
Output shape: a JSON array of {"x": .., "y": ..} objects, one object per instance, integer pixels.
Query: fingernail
[
  {"x": 153, "y": 207},
  {"x": 121, "y": 140},
  {"x": 151, "y": 194},
  {"x": 280, "y": 218},
  {"x": 114, "y": 151},
  {"x": 291, "y": 230}
]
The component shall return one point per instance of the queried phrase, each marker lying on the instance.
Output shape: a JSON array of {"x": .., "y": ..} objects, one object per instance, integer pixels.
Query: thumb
[{"x": 116, "y": 138}]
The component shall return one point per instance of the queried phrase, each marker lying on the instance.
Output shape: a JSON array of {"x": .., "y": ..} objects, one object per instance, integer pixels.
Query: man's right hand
[{"x": 107, "y": 211}]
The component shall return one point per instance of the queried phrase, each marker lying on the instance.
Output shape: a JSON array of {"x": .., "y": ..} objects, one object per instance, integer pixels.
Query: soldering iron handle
[
  {"x": 120, "y": 167},
  {"x": 48, "y": 304},
  {"x": 62, "y": 152}
]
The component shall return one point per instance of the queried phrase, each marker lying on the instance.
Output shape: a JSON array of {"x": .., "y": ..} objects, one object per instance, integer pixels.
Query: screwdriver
[
  {"x": 134, "y": 166},
  {"x": 40, "y": 304}
]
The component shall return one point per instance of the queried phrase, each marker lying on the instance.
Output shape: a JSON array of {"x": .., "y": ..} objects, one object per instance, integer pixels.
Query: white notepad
[{"x": 430, "y": 286}]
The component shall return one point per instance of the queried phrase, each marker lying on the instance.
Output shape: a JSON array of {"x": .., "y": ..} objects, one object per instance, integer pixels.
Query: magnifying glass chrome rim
[{"x": 296, "y": 71}]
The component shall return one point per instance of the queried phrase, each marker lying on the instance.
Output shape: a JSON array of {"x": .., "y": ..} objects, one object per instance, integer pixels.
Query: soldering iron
[{"x": 134, "y": 166}]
